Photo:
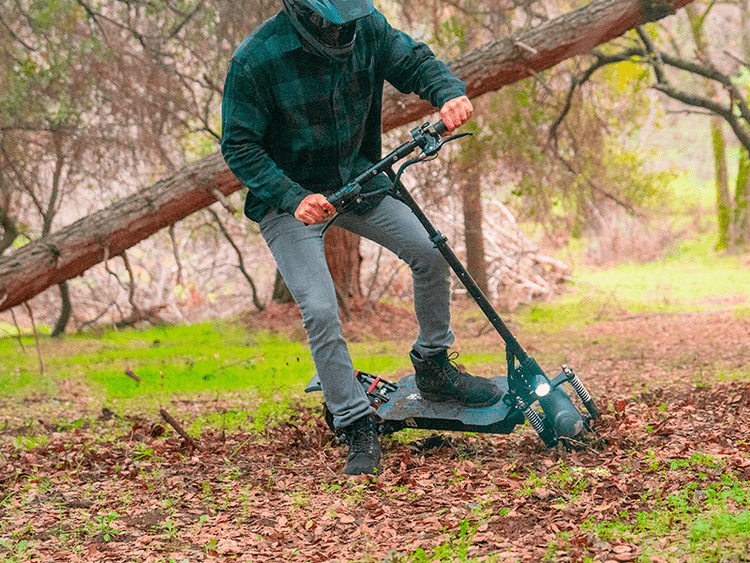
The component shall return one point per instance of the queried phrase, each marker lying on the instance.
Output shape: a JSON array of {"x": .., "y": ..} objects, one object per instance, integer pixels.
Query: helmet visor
[{"x": 339, "y": 11}]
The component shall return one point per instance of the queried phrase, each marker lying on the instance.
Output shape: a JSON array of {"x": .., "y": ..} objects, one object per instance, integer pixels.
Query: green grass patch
[
  {"x": 699, "y": 521},
  {"x": 259, "y": 375},
  {"x": 692, "y": 278},
  {"x": 204, "y": 358},
  {"x": 695, "y": 525}
]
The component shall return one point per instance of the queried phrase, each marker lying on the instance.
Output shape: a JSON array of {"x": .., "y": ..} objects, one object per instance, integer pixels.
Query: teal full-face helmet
[{"x": 328, "y": 26}]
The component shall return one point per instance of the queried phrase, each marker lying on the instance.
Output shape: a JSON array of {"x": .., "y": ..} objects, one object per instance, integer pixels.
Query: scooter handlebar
[
  {"x": 337, "y": 198},
  {"x": 426, "y": 136}
]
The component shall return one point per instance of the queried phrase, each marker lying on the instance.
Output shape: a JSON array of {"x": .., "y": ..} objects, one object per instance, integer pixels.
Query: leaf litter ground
[{"x": 676, "y": 428}]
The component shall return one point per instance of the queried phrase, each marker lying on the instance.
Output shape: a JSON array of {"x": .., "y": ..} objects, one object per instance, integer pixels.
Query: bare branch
[
  {"x": 131, "y": 285},
  {"x": 176, "y": 253},
  {"x": 240, "y": 260},
  {"x": 225, "y": 203},
  {"x": 739, "y": 60},
  {"x": 576, "y": 82},
  {"x": 176, "y": 29},
  {"x": 18, "y": 328},
  {"x": 36, "y": 338}
]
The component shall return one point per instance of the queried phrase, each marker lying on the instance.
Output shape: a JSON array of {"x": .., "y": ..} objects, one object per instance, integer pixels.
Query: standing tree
[{"x": 731, "y": 222}]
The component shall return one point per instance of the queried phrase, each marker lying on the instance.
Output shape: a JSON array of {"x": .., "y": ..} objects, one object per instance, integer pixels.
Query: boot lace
[
  {"x": 451, "y": 370},
  {"x": 361, "y": 439}
]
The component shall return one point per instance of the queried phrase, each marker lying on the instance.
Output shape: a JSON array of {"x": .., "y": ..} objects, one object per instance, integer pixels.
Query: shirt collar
[{"x": 287, "y": 37}]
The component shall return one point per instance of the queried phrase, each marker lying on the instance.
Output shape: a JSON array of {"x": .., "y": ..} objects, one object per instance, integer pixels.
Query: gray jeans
[{"x": 300, "y": 257}]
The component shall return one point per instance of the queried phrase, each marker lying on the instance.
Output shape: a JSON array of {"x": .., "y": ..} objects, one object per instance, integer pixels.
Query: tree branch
[
  {"x": 240, "y": 261},
  {"x": 736, "y": 100},
  {"x": 176, "y": 253},
  {"x": 131, "y": 285}
]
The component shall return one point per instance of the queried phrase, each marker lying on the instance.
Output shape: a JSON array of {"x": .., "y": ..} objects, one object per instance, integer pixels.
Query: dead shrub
[{"x": 621, "y": 237}]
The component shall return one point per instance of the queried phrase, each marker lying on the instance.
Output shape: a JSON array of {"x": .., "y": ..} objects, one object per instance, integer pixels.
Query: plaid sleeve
[
  {"x": 245, "y": 119},
  {"x": 411, "y": 66}
]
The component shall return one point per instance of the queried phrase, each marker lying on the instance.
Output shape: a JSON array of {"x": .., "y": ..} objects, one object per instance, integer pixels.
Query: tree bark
[
  {"x": 66, "y": 310},
  {"x": 723, "y": 199},
  {"x": 471, "y": 197},
  {"x": 70, "y": 251},
  {"x": 741, "y": 221},
  {"x": 281, "y": 293},
  {"x": 721, "y": 181},
  {"x": 10, "y": 231},
  {"x": 742, "y": 189}
]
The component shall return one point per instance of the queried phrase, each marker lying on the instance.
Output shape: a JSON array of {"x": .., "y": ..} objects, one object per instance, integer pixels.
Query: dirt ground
[{"x": 674, "y": 391}]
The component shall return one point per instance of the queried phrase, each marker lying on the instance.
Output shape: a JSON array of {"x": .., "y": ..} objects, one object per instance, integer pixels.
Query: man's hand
[
  {"x": 456, "y": 112},
  {"x": 314, "y": 209}
]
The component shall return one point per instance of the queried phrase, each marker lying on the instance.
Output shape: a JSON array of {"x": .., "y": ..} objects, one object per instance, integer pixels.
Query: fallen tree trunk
[
  {"x": 72, "y": 250},
  {"x": 69, "y": 252},
  {"x": 503, "y": 62}
]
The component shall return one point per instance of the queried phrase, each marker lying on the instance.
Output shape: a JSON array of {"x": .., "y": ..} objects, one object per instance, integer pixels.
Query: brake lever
[{"x": 434, "y": 149}]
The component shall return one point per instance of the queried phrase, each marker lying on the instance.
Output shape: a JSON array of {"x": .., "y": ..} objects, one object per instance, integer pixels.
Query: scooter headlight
[{"x": 540, "y": 385}]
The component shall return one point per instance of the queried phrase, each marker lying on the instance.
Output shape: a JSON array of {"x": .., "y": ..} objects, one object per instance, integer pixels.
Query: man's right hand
[{"x": 314, "y": 209}]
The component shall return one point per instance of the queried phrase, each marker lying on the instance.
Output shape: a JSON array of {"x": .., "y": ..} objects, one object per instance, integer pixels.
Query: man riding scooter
[{"x": 301, "y": 115}]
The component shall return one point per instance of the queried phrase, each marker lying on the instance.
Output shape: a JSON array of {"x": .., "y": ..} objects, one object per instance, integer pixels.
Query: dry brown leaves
[{"x": 280, "y": 496}]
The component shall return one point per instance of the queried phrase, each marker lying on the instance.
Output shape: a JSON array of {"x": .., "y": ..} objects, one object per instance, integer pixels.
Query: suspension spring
[
  {"x": 577, "y": 384},
  {"x": 582, "y": 392},
  {"x": 531, "y": 415}
]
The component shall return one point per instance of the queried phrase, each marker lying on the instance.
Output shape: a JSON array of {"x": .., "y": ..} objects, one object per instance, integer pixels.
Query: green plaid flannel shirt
[{"x": 294, "y": 123}]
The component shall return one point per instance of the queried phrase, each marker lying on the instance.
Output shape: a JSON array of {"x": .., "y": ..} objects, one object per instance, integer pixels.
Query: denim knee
[
  {"x": 429, "y": 263},
  {"x": 321, "y": 319}
]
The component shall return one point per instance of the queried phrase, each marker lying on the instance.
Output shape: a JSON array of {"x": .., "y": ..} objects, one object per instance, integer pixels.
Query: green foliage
[
  {"x": 697, "y": 530},
  {"x": 454, "y": 549},
  {"x": 600, "y": 158},
  {"x": 15, "y": 550},
  {"x": 689, "y": 279},
  {"x": 49, "y": 83},
  {"x": 104, "y": 525}
]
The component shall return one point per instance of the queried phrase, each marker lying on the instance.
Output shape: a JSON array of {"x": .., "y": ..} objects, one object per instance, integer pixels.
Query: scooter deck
[{"x": 405, "y": 408}]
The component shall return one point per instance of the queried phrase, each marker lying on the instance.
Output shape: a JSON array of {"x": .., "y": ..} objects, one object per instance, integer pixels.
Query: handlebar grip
[
  {"x": 440, "y": 128},
  {"x": 338, "y": 196}
]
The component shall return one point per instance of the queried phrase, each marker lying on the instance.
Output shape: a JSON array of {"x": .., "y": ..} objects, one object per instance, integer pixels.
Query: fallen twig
[
  {"x": 132, "y": 375},
  {"x": 180, "y": 430}
]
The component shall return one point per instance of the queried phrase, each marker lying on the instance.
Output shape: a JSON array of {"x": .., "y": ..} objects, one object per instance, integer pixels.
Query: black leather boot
[
  {"x": 363, "y": 457},
  {"x": 438, "y": 380}
]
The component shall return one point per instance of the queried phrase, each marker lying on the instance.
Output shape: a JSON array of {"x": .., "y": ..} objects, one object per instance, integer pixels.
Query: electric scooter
[{"x": 399, "y": 404}]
